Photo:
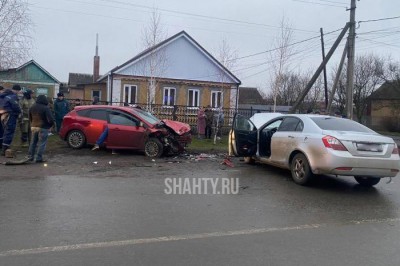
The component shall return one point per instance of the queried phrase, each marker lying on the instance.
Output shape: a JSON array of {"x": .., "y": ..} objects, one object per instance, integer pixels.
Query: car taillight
[
  {"x": 395, "y": 150},
  {"x": 333, "y": 143}
]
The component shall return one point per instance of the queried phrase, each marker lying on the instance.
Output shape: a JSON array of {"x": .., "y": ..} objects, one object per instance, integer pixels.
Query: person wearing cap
[
  {"x": 61, "y": 108},
  {"x": 25, "y": 103},
  {"x": 1, "y": 124},
  {"x": 10, "y": 111}
]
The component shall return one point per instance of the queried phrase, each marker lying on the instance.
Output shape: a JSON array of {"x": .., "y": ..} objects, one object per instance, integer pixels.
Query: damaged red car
[{"x": 128, "y": 128}]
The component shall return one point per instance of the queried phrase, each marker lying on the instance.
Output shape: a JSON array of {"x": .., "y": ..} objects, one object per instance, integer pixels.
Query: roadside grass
[
  {"x": 54, "y": 142},
  {"x": 207, "y": 145}
]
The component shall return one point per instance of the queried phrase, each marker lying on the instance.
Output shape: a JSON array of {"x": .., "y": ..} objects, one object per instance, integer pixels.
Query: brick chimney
[{"x": 96, "y": 61}]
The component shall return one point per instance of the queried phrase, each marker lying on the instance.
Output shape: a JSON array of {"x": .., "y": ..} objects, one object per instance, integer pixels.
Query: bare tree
[
  {"x": 152, "y": 34},
  {"x": 280, "y": 58},
  {"x": 15, "y": 32},
  {"x": 369, "y": 71},
  {"x": 227, "y": 56}
]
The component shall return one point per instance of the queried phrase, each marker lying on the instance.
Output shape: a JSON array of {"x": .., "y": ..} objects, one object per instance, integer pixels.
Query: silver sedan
[{"x": 310, "y": 145}]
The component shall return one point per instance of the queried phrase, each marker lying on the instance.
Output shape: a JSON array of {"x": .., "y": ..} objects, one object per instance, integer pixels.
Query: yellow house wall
[
  {"x": 94, "y": 87},
  {"x": 181, "y": 92}
]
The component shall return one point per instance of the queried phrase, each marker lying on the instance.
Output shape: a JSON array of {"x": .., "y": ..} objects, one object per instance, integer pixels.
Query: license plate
[{"x": 369, "y": 147}]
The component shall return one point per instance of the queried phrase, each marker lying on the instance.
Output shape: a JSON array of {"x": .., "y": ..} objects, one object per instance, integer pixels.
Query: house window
[
  {"x": 130, "y": 94},
  {"x": 216, "y": 99},
  {"x": 96, "y": 93},
  {"x": 169, "y": 96},
  {"x": 193, "y": 98}
]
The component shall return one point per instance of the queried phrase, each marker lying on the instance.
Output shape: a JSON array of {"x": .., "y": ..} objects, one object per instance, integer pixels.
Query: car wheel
[
  {"x": 249, "y": 160},
  {"x": 367, "y": 181},
  {"x": 76, "y": 139},
  {"x": 153, "y": 148},
  {"x": 301, "y": 171}
]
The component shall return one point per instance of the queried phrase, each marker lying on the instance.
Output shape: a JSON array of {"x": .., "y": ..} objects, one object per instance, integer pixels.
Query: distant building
[
  {"x": 31, "y": 76},
  {"x": 384, "y": 104},
  {"x": 188, "y": 75},
  {"x": 86, "y": 86}
]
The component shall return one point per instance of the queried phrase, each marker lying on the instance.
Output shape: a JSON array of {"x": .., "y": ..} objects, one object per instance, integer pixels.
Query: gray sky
[{"x": 65, "y": 30}]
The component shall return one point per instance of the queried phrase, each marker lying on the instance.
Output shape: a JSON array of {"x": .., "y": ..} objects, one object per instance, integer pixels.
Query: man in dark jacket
[
  {"x": 1, "y": 124},
  {"x": 41, "y": 120},
  {"x": 61, "y": 108},
  {"x": 10, "y": 111}
]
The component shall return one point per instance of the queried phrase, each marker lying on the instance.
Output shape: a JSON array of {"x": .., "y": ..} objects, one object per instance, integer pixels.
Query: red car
[{"x": 129, "y": 128}]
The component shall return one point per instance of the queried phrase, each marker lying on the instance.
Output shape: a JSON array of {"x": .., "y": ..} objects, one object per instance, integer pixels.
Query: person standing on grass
[
  {"x": 61, "y": 108},
  {"x": 1, "y": 124},
  {"x": 201, "y": 122},
  {"x": 9, "y": 111},
  {"x": 25, "y": 103},
  {"x": 209, "y": 121},
  {"x": 41, "y": 120}
]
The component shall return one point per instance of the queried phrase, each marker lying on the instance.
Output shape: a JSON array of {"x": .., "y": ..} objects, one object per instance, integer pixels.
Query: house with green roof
[{"x": 31, "y": 76}]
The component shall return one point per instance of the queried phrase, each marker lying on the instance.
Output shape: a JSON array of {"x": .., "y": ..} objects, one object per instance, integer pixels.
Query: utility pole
[
  {"x": 350, "y": 61},
  {"x": 325, "y": 79},
  {"x": 319, "y": 70},
  {"x": 339, "y": 72}
]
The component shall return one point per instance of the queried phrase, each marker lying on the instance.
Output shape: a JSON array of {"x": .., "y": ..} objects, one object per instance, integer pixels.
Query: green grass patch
[{"x": 207, "y": 145}]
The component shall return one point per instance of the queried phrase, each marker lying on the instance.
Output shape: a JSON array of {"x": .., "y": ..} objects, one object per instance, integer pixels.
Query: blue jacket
[
  {"x": 9, "y": 102},
  {"x": 61, "y": 108}
]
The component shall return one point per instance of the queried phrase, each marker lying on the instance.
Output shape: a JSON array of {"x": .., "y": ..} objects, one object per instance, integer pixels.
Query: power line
[
  {"x": 271, "y": 50},
  {"x": 321, "y": 4},
  {"x": 335, "y": 2},
  {"x": 202, "y": 16},
  {"x": 378, "y": 42},
  {"x": 379, "y": 19}
]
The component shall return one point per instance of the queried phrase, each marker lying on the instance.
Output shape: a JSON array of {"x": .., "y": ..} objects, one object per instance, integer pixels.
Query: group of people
[
  {"x": 207, "y": 120},
  {"x": 36, "y": 119}
]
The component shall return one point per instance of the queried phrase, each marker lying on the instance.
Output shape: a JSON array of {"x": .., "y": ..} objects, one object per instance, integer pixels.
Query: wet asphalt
[{"x": 102, "y": 209}]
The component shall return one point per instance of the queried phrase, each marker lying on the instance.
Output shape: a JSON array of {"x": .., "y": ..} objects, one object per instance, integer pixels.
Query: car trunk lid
[{"x": 364, "y": 144}]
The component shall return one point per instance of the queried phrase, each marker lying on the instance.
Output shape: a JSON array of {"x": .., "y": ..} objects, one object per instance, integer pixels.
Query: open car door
[{"x": 242, "y": 137}]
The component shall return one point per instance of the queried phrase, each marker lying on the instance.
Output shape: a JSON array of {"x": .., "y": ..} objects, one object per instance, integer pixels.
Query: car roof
[
  {"x": 260, "y": 119},
  {"x": 112, "y": 107}
]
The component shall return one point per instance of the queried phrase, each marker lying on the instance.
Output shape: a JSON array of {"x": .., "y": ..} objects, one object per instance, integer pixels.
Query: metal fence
[{"x": 182, "y": 113}]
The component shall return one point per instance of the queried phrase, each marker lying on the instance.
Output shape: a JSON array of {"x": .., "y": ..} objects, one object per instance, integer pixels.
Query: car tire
[
  {"x": 76, "y": 139},
  {"x": 249, "y": 160},
  {"x": 153, "y": 148},
  {"x": 300, "y": 169},
  {"x": 367, "y": 181}
]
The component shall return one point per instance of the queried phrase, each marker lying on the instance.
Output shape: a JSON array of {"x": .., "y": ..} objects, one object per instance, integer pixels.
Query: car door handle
[{"x": 292, "y": 137}]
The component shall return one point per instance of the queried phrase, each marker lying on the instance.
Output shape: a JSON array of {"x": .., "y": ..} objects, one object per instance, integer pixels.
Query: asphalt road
[{"x": 88, "y": 208}]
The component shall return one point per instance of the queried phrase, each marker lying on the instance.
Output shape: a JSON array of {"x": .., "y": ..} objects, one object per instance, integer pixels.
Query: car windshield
[
  {"x": 146, "y": 116},
  {"x": 340, "y": 124}
]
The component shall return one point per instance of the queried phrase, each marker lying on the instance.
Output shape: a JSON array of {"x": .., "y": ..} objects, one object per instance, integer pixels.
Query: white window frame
[
  {"x": 130, "y": 87},
  {"x": 169, "y": 93},
  {"x": 214, "y": 95},
  {"x": 192, "y": 103},
  {"x": 94, "y": 95}
]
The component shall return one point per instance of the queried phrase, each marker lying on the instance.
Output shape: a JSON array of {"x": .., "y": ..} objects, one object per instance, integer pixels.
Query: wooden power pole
[
  {"x": 350, "y": 61},
  {"x": 325, "y": 79}
]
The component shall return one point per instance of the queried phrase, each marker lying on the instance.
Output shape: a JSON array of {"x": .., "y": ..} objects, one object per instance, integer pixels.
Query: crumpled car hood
[{"x": 178, "y": 127}]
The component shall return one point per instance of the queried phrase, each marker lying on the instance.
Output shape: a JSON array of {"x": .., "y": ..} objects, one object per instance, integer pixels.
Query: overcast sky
[{"x": 65, "y": 30}]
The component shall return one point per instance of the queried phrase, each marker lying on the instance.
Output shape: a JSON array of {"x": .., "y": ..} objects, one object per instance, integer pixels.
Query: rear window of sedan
[{"x": 340, "y": 124}]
